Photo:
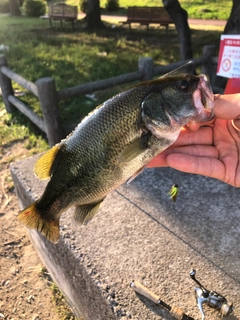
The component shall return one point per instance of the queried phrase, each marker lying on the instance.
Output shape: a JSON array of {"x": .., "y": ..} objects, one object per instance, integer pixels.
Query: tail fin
[{"x": 33, "y": 220}]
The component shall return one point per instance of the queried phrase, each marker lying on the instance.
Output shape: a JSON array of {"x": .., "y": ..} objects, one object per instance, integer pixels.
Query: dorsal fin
[
  {"x": 42, "y": 168},
  {"x": 184, "y": 68}
]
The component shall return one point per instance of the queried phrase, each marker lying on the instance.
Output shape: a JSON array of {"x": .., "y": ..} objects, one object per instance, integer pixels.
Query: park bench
[
  {"x": 148, "y": 15},
  {"x": 62, "y": 12}
]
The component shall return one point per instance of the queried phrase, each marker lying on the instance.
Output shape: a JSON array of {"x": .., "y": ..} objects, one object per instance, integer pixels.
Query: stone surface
[{"x": 139, "y": 233}]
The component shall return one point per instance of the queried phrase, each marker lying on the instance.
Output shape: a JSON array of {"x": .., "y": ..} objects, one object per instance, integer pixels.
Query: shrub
[
  {"x": 83, "y": 5},
  {"x": 4, "y": 6},
  {"x": 112, "y": 5},
  {"x": 34, "y": 8}
]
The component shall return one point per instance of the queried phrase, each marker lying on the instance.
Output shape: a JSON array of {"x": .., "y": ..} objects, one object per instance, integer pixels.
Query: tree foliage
[{"x": 34, "y": 8}]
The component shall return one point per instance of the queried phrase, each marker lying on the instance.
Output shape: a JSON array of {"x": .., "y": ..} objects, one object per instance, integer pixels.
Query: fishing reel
[{"x": 211, "y": 298}]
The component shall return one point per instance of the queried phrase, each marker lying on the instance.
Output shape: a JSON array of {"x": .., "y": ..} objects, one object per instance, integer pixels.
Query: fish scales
[
  {"x": 114, "y": 143},
  {"x": 94, "y": 166}
]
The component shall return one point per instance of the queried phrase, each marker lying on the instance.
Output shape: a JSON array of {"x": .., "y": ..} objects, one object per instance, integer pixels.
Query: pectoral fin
[
  {"x": 135, "y": 148},
  {"x": 83, "y": 214}
]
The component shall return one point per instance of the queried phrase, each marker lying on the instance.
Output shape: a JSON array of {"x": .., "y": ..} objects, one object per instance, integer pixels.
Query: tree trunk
[
  {"x": 180, "y": 18},
  {"x": 14, "y": 8},
  {"x": 93, "y": 16},
  {"x": 233, "y": 24}
]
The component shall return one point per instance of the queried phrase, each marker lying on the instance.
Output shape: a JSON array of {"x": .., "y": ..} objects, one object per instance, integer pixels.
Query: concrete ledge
[{"x": 140, "y": 234}]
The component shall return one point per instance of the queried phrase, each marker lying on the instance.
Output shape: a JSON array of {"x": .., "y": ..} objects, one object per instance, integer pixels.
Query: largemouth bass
[{"x": 113, "y": 144}]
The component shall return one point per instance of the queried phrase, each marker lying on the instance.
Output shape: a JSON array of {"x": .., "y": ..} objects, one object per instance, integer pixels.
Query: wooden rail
[
  {"x": 45, "y": 90},
  {"x": 30, "y": 86},
  {"x": 21, "y": 106},
  {"x": 49, "y": 97},
  {"x": 98, "y": 85}
]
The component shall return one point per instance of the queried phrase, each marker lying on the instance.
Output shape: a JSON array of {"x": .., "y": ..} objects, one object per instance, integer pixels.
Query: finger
[
  {"x": 186, "y": 138},
  {"x": 227, "y": 106},
  {"x": 158, "y": 161},
  {"x": 193, "y": 126},
  {"x": 197, "y": 151},
  {"x": 205, "y": 166},
  {"x": 202, "y": 136},
  {"x": 194, "y": 150}
]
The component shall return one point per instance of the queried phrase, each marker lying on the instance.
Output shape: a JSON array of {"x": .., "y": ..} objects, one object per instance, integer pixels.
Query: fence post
[
  {"x": 6, "y": 85},
  {"x": 47, "y": 94},
  {"x": 145, "y": 65},
  {"x": 207, "y": 67}
]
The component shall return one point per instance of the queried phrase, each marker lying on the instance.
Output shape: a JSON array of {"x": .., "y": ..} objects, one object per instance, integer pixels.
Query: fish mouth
[
  {"x": 198, "y": 108},
  {"x": 202, "y": 102},
  {"x": 203, "y": 99}
]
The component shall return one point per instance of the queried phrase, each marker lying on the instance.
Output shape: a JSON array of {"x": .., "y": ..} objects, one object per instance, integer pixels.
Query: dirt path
[
  {"x": 24, "y": 283},
  {"x": 206, "y": 22}
]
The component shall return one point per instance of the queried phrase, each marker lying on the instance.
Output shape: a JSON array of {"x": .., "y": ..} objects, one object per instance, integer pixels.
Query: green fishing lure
[{"x": 173, "y": 192}]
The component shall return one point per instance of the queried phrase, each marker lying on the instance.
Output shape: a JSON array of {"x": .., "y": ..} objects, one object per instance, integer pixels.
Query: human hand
[{"x": 211, "y": 151}]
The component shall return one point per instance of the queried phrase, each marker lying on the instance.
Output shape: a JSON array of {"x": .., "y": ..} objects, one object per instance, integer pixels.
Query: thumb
[{"x": 227, "y": 106}]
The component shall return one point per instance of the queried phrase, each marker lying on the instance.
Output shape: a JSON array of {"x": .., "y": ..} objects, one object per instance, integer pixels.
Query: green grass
[
  {"x": 15, "y": 127},
  {"x": 62, "y": 309},
  {"x": 207, "y": 9}
]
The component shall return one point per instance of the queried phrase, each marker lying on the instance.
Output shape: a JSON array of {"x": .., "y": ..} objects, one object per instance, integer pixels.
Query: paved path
[
  {"x": 207, "y": 22},
  {"x": 190, "y": 21},
  {"x": 140, "y": 234}
]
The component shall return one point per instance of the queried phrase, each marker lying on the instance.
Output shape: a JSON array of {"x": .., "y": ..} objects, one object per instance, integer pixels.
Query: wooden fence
[{"x": 49, "y": 96}]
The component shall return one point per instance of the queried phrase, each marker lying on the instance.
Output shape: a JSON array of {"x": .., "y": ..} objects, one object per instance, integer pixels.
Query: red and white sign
[{"x": 229, "y": 56}]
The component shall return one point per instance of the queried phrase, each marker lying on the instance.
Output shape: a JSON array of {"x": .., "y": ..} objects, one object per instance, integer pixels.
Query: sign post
[{"x": 229, "y": 62}]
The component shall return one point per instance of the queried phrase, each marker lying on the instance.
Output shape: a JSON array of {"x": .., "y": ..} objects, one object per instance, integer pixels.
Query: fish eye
[{"x": 184, "y": 84}]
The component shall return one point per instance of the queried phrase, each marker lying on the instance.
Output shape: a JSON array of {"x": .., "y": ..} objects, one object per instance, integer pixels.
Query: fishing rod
[
  {"x": 211, "y": 298},
  {"x": 174, "y": 311}
]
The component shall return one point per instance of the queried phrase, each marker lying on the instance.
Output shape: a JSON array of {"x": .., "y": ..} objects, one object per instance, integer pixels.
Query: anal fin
[{"x": 84, "y": 213}]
